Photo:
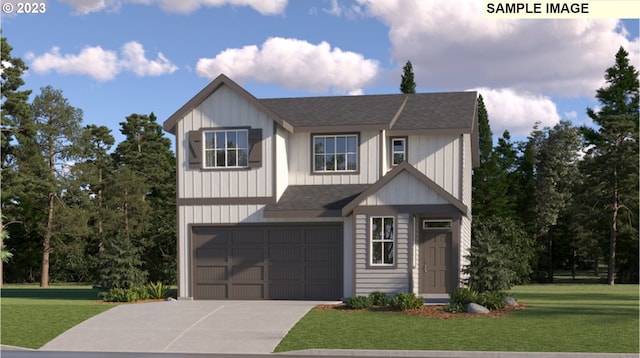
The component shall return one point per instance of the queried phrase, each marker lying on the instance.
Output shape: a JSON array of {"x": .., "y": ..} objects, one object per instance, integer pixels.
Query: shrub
[
  {"x": 406, "y": 301},
  {"x": 358, "y": 302},
  {"x": 492, "y": 300},
  {"x": 121, "y": 295},
  {"x": 455, "y": 307},
  {"x": 464, "y": 295},
  {"x": 157, "y": 290},
  {"x": 379, "y": 298}
]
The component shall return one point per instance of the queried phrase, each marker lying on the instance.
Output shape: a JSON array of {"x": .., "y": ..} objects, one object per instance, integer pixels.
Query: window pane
[
  {"x": 319, "y": 163},
  {"x": 318, "y": 145},
  {"x": 388, "y": 229},
  {"x": 398, "y": 158},
  {"x": 398, "y": 145},
  {"x": 220, "y": 158},
  {"x": 220, "y": 140},
  {"x": 232, "y": 141},
  {"x": 341, "y": 162},
  {"x": 231, "y": 158},
  {"x": 376, "y": 253},
  {"x": 210, "y": 158},
  {"x": 388, "y": 252},
  {"x": 209, "y": 140},
  {"x": 376, "y": 228},
  {"x": 330, "y": 145},
  {"x": 242, "y": 139},
  {"x": 330, "y": 161},
  {"x": 352, "y": 144},
  {"x": 242, "y": 158},
  {"x": 352, "y": 163},
  {"x": 341, "y": 144}
]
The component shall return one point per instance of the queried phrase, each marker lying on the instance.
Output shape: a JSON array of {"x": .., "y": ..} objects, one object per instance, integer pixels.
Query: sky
[{"x": 113, "y": 58}]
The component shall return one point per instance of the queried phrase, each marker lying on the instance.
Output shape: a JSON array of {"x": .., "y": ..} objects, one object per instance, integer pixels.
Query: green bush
[
  {"x": 492, "y": 300},
  {"x": 455, "y": 307},
  {"x": 464, "y": 295},
  {"x": 358, "y": 302},
  {"x": 157, "y": 290},
  {"x": 379, "y": 298},
  {"x": 406, "y": 301},
  {"x": 121, "y": 295}
]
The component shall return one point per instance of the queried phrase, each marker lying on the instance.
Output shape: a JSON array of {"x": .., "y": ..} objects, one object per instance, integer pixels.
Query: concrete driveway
[{"x": 185, "y": 327}]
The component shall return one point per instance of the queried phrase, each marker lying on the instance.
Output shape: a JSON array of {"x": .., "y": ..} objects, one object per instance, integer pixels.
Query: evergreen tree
[
  {"x": 407, "y": 85},
  {"x": 614, "y": 156},
  {"x": 13, "y": 107}
]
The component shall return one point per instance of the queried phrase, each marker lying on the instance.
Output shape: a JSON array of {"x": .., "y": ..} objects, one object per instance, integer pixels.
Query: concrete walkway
[{"x": 185, "y": 327}]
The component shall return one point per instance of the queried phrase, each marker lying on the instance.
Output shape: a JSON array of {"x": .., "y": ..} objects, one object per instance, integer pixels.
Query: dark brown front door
[{"x": 435, "y": 261}]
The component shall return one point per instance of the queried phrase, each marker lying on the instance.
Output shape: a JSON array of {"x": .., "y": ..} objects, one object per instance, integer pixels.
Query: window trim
[
  {"x": 312, "y": 163},
  {"x": 392, "y": 152},
  {"x": 383, "y": 240},
  {"x": 446, "y": 224},
  {"x": 224, "y": 130}
]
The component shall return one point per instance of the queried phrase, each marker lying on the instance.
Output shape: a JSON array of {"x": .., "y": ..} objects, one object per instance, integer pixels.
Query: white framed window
[
  {"x": 228, "y": 148},
  {"x": 335, "y": 153},
  {"x": 398, "y": 150},
  {"x": 382, "y": 240},
  {"x": 436, "y": 224}
]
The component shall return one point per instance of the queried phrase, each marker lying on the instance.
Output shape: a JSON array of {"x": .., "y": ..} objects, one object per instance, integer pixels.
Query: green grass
[
  {"x": 559, "y": 318},
  {"x": 32, "y": 316}
]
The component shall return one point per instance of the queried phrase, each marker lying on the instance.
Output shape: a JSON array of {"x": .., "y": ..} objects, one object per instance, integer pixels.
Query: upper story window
[
  {"x": 335, "y": 153},
  {"x": 226, "y": 148},
  {"x": 398, "y": 150}
]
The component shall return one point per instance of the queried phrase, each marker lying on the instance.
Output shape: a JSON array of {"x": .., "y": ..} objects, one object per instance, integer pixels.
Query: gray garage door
[{"x": 299, "y": 261}]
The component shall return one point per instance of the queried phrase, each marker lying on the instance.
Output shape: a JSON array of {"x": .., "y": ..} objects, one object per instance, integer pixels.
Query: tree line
[{"x": 76, "y": 206}]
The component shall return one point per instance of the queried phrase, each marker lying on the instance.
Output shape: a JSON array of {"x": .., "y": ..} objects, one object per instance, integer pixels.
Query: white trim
[{"x": 387, "y": 236}]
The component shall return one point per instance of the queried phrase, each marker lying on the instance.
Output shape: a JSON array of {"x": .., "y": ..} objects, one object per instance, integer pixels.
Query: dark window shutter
[
  {"x": 255, "y": 148},
  {"x": 195, "y": 149}
]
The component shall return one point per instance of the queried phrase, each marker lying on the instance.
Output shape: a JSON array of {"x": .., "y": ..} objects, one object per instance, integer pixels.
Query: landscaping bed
[{"x": 428, "y": 311}]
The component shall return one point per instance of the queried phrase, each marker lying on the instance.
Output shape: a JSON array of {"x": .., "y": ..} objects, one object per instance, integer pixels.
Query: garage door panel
[
  {"x": 270, "y": 261},
  {"x": 247, "y": 273},
  {"x": 285, "y": 254},
  {"x": 209, "y": 274}
]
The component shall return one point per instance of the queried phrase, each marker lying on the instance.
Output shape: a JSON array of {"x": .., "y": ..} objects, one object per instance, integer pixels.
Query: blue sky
[{"x": 112, "y": 58}]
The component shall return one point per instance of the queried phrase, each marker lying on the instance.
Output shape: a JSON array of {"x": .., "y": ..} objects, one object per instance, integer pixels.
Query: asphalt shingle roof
[{"x": 317, "y": 197}]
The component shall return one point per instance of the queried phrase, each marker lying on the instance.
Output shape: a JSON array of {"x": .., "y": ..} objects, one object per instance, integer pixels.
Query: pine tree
[
  {"x": 407, "y": 85},
  {"x": 614, "y": 152}
]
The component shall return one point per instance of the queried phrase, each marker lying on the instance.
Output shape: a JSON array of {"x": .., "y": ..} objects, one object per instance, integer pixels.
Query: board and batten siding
[
  {"x": 386, "y": 279},
  {"x": 300, "y": 164},
  {"x": 404, "y": 189},
  {"x": 439, "y": 158},
  {"x": 224, "y": 109}
]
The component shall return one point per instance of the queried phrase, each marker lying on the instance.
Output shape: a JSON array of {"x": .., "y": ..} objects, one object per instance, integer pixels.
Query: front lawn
[
  {"x": 32, "y": 316},
  {"x": 558, "y": 318}
]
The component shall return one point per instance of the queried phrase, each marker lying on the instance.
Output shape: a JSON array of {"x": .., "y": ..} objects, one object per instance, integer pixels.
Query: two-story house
[{"x": 322, "y": 197}]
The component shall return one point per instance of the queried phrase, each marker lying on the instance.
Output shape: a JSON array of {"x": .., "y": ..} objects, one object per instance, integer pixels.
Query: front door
[{"x": 435, "y": 261}]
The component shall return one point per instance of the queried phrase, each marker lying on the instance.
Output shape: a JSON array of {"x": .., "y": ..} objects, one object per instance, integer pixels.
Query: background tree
[
  {"x": 407, "y": 85},
  {"x": 57, "y": 126},
  {"x": 14, "y": 106},
  {"x": 613, "y": 155}
]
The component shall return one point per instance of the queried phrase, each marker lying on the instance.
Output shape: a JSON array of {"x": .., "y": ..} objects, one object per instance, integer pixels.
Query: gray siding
[
  {"x": 439, "y": 158},
  {"x": 390, "y": 280}
]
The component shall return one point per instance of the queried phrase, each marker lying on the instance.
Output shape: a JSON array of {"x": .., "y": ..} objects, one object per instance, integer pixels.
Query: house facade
[{"x": 322, "y": 197}]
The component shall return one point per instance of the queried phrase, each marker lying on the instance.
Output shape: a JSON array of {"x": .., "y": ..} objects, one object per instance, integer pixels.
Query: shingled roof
[
  {"x": 314, "y": 200},
  {"x": 401, "y": 114}
]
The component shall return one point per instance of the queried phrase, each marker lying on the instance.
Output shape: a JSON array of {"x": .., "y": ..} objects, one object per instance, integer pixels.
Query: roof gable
[
  {"x": 404, "y": 167},
  {"x": 222, "y": 80}
]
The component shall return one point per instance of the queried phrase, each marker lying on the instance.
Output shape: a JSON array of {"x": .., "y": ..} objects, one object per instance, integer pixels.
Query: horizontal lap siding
[
  {"x": 389, "y": 280},
  {"x": 225, "y": 108}
]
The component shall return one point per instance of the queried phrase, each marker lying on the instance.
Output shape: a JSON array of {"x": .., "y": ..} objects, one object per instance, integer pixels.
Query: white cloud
[
  {"x": 265, "y": 7},
  {"x": 133, "y": 59},
  {"x": 571, "y": 115},
  {"x": 92, "y": 61},
  {"x": 100, "y": 64},
  {"x": 295, "y": 64},
  {"x": 517, "y": 112},
  {"x": 452, "y": 45}
]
